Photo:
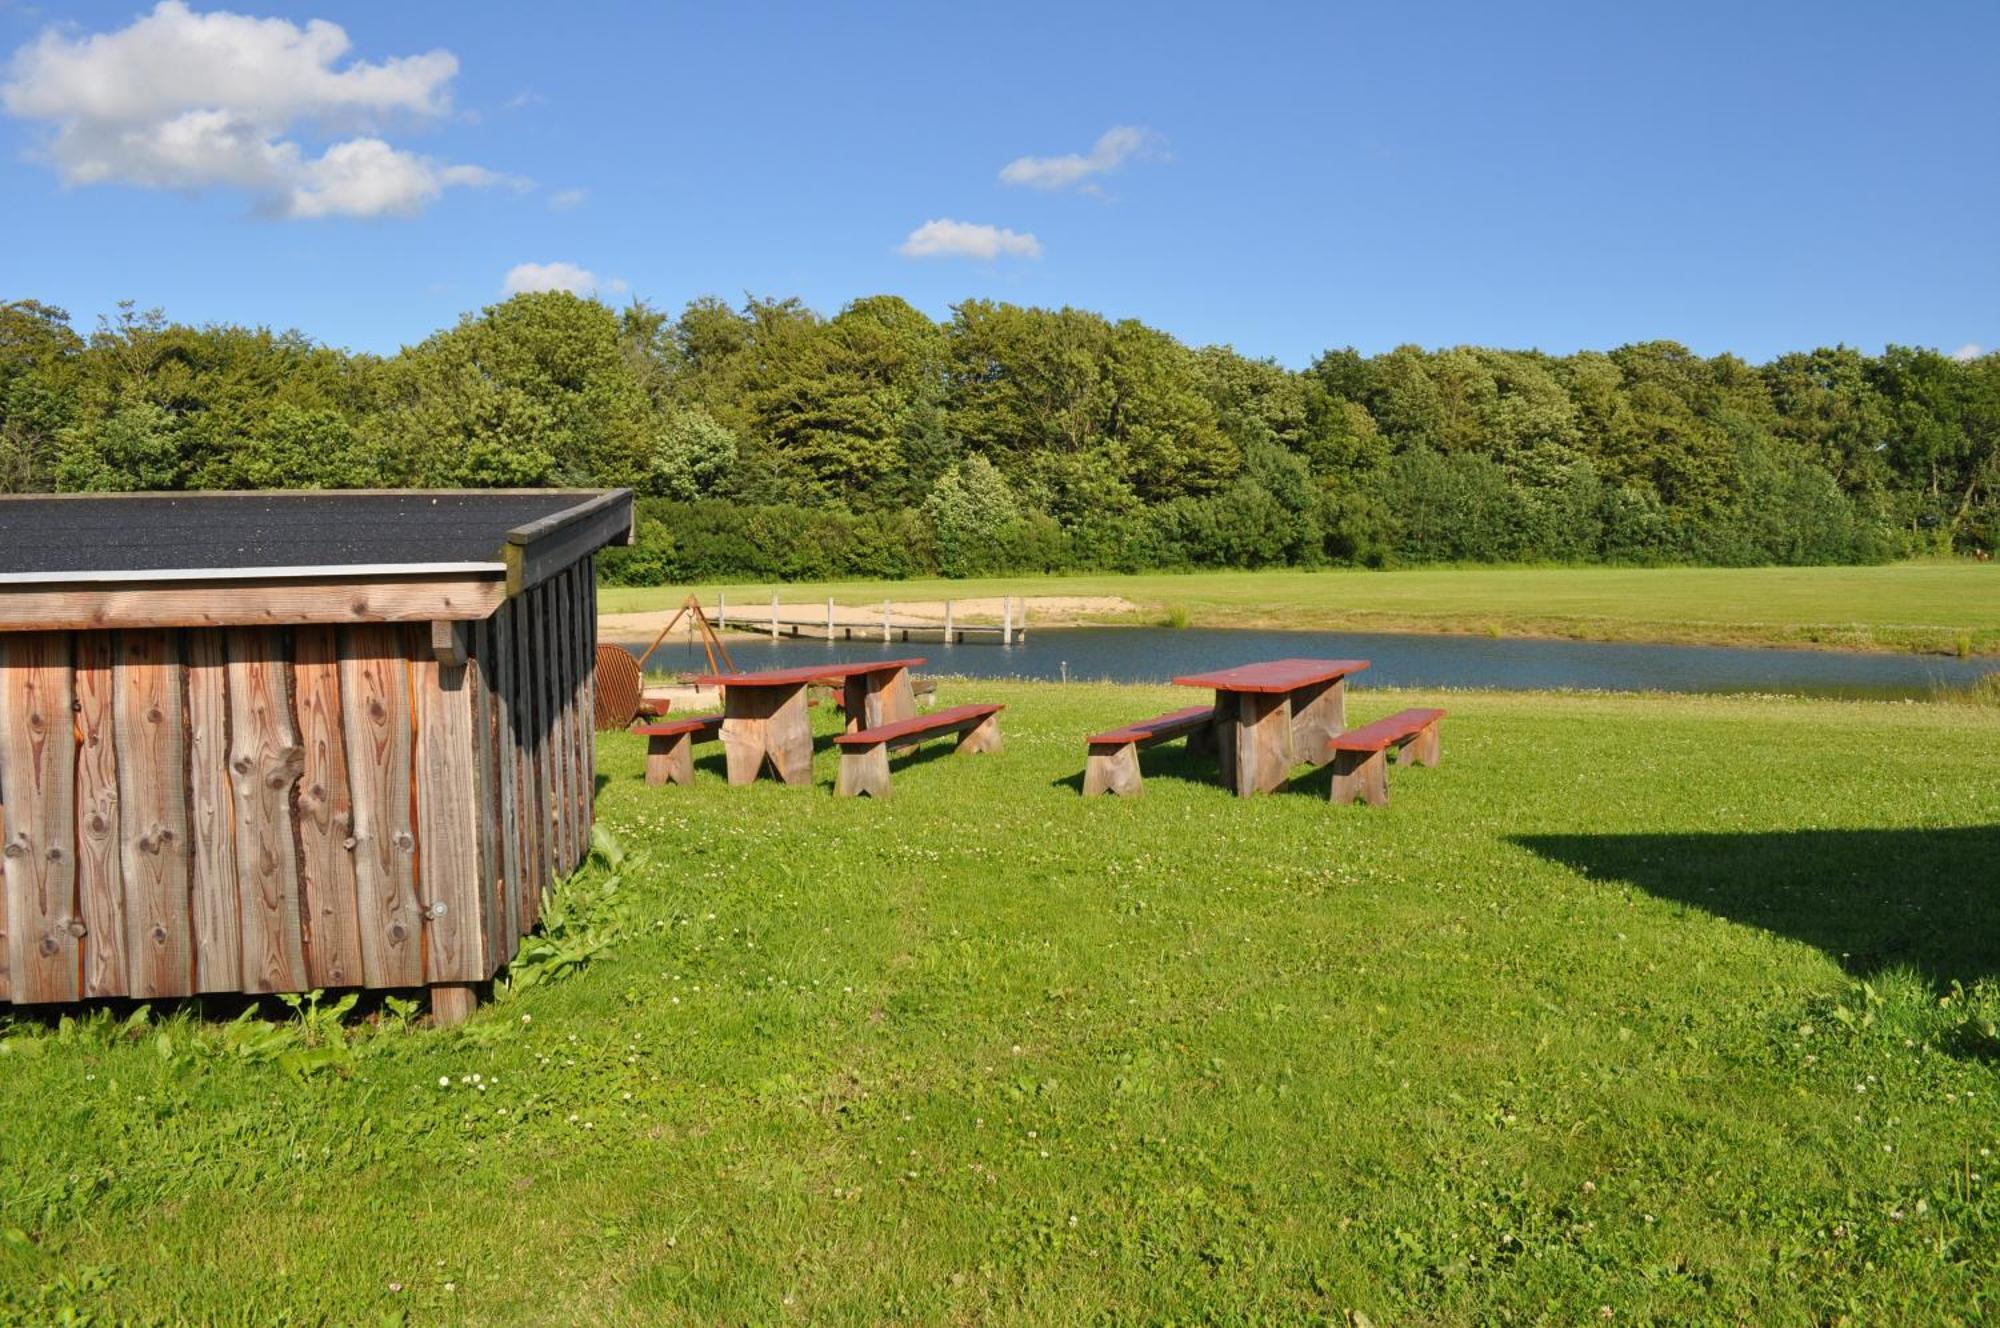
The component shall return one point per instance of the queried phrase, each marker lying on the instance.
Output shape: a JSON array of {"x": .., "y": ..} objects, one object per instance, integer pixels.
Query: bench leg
[
  {"x": 1201, "y": 741},
  {"x": 670, "y": 759},
  {"x": 1363, "y": 775},
  {"x": 865, "y": 770},
  {"x": 1427, "y": 747},
  {"x": 1112, "y": 768},
  {"x": 984, "y": 738}
]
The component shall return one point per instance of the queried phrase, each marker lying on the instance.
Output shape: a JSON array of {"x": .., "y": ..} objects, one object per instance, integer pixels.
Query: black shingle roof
[{"x": 223, "y": 532}]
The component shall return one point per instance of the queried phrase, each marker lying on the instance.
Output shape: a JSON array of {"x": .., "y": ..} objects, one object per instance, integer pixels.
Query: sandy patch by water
[{"x": 1041, "y": 610}]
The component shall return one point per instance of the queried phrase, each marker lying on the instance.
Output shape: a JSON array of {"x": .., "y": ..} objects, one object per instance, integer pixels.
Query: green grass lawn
[
  {"x": 1936, "y": 607},
  {"x": 1677, "y": 1006}
]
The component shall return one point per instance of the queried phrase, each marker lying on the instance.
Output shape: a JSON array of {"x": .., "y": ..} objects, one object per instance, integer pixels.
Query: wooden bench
[
  {"x": 1113, "y": 764},
  {"x": 669, "y": 747},
  {"x": 1361, "y": 756},
  {"x": 864, "y": 755}
]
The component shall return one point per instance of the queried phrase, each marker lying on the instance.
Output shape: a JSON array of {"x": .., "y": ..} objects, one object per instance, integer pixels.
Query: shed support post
[{"x": 453, "y": 1003}]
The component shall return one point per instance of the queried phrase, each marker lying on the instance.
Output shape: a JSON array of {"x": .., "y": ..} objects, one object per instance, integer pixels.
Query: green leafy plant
[{"x": 582, "y": 916}]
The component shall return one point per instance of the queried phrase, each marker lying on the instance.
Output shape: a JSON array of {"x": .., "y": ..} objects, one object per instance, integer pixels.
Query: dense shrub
[{"x": 771, "y": 443}]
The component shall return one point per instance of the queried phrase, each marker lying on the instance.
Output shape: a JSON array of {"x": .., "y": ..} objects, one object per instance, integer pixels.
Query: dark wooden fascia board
[{"x": 540, "y": 549}]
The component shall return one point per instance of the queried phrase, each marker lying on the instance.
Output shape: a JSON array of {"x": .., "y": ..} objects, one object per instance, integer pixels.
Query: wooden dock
[{"x": 835, "y": 624}]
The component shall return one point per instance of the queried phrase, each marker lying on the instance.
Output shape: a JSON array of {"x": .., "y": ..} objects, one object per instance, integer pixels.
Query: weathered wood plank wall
[{"x": 267, "y": 809}]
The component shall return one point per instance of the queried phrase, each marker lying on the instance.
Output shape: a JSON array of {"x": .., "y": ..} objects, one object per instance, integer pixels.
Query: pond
[{"x": 1399, "y": 659}]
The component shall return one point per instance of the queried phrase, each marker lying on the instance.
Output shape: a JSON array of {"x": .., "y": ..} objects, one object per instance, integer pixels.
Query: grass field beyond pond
[
  {"x": 1679, "y": 1007},
  {"x": 1932, "y": 607}
]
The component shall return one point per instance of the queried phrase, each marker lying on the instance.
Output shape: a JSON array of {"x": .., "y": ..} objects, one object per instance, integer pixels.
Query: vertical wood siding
[
  {"x": 375, "y": 664},
  {"x": 153, "y": 814},
  {"x": 265, "y": 761},
  {"x": 38, "y": 749},
  {"x": 447, "y": 822},
  {"x": 325, "y": 819},
  {"x": 218, "y": 941},
  {"x": 274, "y": 809},
  {"x": 100, "y": 872}
]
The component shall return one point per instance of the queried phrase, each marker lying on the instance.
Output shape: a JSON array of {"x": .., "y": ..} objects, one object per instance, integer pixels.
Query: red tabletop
[
  {"x": 1275, "y": 675},
  {"x": 803, "y": 674}
]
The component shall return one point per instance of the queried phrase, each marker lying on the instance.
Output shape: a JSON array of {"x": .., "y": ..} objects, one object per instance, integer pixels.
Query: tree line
[{"x": 769, "y": 441}]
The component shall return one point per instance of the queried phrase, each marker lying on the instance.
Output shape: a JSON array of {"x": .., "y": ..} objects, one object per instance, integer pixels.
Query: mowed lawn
[
  {"x": 1939, "y": 607},
  {"x": 1666, "y": 1008}
]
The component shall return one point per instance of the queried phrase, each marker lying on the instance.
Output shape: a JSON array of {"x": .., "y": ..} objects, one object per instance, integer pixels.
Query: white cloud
[
  {"x": 525, "y": 277},
  {"x": 563, "y": 200},
  {"x": 944, "y": 238},
  {"x": 181, "y": 100},
  {"x": 1114, "y": 147},
  {"x": 1971, "y": 350}
]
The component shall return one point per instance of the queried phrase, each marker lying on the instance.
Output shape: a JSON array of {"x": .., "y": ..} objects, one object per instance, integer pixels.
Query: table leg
[
  {"x": 1319, "y": 715},
  {"x": 1223, "y": 733},
  {"x": 873, "y": 699},
  {"x": 1263, "y": 741},
  {"x": 898, "y": 698},
  {"x": 788, "y": 739},
  {"x": 745, "y": 711}
]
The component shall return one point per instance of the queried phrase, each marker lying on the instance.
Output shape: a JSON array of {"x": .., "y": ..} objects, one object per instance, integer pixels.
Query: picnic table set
[{"x": 1266, "y": 719}]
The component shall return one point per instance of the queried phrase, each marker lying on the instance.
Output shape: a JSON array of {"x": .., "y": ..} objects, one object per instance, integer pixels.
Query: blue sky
[{"x": 1745, "y": 178}]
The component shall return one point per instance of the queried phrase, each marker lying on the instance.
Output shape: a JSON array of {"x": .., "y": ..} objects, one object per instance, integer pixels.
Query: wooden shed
[{"x": 271, "y": 742}]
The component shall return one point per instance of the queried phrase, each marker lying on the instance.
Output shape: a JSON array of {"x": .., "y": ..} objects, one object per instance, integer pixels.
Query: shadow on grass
[
  {"x": 714, "y": 760},
  {"x": 912, "y": 757},
  {"x": 1173, "y": 761},
  {"x": 1868, "y": 898}
]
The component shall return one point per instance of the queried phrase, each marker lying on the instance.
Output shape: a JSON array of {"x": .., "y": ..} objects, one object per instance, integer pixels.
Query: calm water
[{"x": 1153, "y": 654}]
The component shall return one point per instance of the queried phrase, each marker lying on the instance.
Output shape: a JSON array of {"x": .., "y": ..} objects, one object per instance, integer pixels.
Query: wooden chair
[
  {"x": 864, "y": 755},
  {"x": 1113, "y": 763},
  {"x": 1361, "y": 756}
]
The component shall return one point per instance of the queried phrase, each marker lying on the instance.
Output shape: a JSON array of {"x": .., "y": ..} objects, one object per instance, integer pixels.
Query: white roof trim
[{"x": 333, "y": 570}]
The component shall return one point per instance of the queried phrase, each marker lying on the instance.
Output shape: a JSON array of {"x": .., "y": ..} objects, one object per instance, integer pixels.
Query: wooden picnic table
[
  {"x": 1272, "y": 716},
  {"x": 764, "y": 715}
]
